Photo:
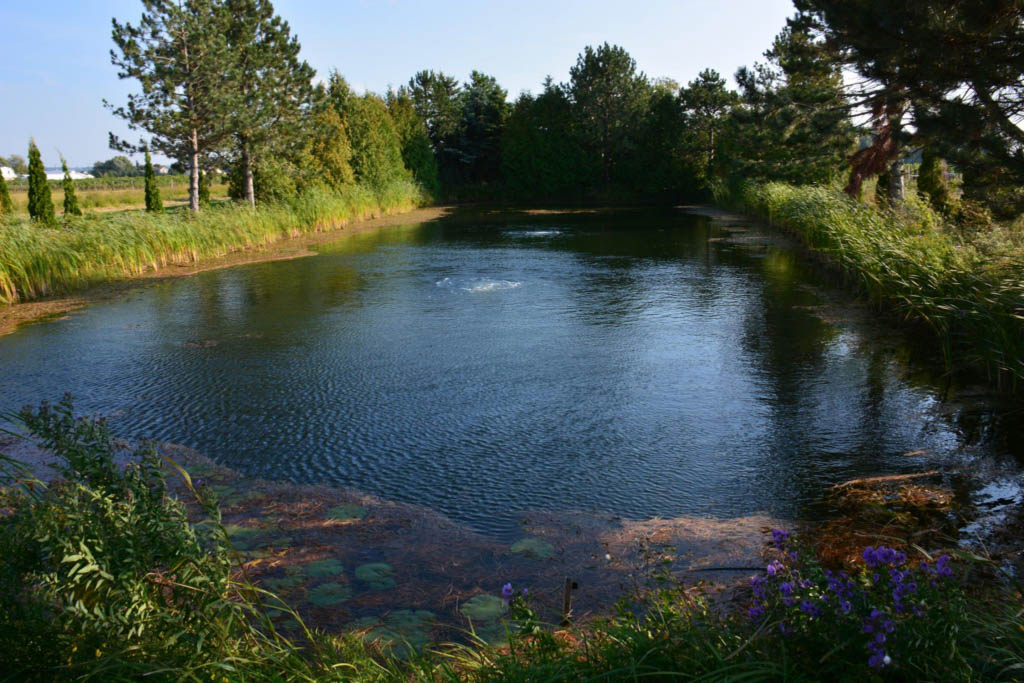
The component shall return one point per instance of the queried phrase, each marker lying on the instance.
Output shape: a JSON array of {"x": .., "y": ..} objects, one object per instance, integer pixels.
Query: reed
[
  {"x": 36, "y": 261},
  {"x": 967, "y": 288}
]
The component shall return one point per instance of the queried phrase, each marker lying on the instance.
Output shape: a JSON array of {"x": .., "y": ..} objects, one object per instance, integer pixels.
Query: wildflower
[
  {"x": 779, "y": 537},
  {"x": 775, "y": 568},
  {"x": 786, "y": 588},
  {"x": 507, "y": 592}
]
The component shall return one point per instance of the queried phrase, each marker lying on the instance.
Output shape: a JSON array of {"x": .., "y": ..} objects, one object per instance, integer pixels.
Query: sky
[{"x": 55, "y": 68}]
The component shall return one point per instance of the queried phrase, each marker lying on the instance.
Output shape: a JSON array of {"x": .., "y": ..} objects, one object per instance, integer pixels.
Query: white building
[
  {"x": 8, "y": 173},
  {"x": 75, "y": 175}
]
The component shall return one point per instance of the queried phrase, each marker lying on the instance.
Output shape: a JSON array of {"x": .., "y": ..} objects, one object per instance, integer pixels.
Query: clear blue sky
[{"x": 55, "y": 68}]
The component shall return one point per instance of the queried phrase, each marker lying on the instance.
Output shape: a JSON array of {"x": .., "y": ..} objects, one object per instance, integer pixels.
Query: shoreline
[{"x": 12, "y": 316}]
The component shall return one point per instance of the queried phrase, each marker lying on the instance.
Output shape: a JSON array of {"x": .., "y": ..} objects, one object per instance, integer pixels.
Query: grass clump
[
  {"x": 968, "y": 288},
  {"x": 36, "y": 261}
]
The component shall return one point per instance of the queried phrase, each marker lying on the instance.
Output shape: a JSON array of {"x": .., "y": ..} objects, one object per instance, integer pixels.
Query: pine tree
[
  {"x": 180, "y": 56},
  {"x": 153, "y": 201},
  {"x": 40, "y": 204},
  {"x": 70, "y": 198},
  {"x": 274, "y": 86},
  {"x": 6, "y": 205},
  {"x": 608, "y": 96}
]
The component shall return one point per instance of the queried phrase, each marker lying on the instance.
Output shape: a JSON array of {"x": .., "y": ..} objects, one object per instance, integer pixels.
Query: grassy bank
[
  {"x": 36, "y": 261},
  {"x": 121, "y": 198},
  {"x": 966, "y": 287},
  {"x": 105, "y": 575}
]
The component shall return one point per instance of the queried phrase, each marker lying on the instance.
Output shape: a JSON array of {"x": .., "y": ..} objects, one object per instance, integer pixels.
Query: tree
[
  {"x": 118, "y": 166},
  {"x": 955, "y": 68},
  {"x": 376, "y": 149},
  {"x": 707, "y": 102},
  {"x": 6, "y": 205},
  {"x": 16, "y": 162},
  {"x": 793, "y": 124},
  {"x": 179, "y": 54},
  {"x": 417, "y": 152},
  {"x": 478, "y": 146},
  {"x": 435, "y": 96},
  {"x": 608, "y": 96},
  {"x": 153, "y": 201},
  {"x": 274, "y": 85},
  {"x": 71, "y": 207},
  {"x": 40, "y": 204},
  {"x": 540, "y": 155}
]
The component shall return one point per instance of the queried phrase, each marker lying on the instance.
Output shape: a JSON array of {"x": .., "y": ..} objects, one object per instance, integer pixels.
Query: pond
[{"x": 636, "y": 364}]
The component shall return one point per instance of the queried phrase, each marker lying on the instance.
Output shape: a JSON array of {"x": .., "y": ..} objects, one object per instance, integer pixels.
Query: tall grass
[
  {"x": 36, "y": 261},
  {"x": 968, "y": 290},
  {"x": 116, "y": 198}
]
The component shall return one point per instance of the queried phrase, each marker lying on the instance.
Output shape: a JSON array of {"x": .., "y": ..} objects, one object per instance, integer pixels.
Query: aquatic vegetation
[
  {"x": 401, "y": 632},
  {"x": 377, "y": 574},
  {"x": 324, "y": 568},
  {"x": 534, "y": 547},
  {"x": 329, "y": 594},
  {"x": 346, "y": 512},
  {"x": 484, "y": 607},
  {"x": 284, "y": 583},
  {"x": 95, "y": 248}
]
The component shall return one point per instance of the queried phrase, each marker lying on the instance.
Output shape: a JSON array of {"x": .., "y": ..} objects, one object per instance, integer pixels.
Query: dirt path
[{"x": 11, "y": 316}]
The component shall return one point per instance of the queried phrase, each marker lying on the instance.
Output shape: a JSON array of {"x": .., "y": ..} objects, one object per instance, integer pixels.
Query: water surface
[{"x": 631, "y": 364}]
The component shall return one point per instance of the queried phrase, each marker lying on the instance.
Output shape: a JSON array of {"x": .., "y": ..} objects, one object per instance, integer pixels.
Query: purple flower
[
  {"x": 779, "y": 538},
  {"x": 775, "y": 568},
  {"x": 507, "y": 592},
  {"x": 786, "y": 588}
]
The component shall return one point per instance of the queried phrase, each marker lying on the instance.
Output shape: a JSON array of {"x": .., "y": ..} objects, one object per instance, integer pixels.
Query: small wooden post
[{"x": 567, "y": 601}]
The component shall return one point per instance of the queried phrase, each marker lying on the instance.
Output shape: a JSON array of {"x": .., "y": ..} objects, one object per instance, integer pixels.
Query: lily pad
[
  {"x": 285, "y": 583},
  {"x": 534, "y": 547},
  {"x": 321, "y": 569},
  {"x": 377, "y": 574},
  {"x": 484, "y": 608},
  {"x": 328, "y": 594},
  {"x": 346, "y": 512},
  {"x": 404, "y": 631}
]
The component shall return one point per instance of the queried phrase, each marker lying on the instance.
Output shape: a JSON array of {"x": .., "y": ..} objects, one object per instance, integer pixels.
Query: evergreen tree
[
  {"x": 793, "y": 124},
  {"x": 478, "y": 146},
  {"x": 417, "y": 152},
  {"x": 608, "y": 96},
  {"x": 541, "y": 157},
  {"x": 376, "y": 148},
  {"x": 707, "y": 102},
  {"x": 180, "y": 56},
  {"x": 153, "y": 201},
  {"x": 40, "y": 204},
  {"x": 6, "y": 205},
  {"x": 274, "y": 86},
  {"x": 71, "y": 207}
]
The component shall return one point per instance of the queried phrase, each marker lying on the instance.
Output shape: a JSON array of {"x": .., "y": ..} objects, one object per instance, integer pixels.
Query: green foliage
[
  {"x": 484, "y": 111},
  {"x": 6, "y": 205},
  {"x": 153, "y": 201},
  {"x": 417, "y": 152},
  {"x": 540, "y": 155},
  {"x": 40, "y": 205},
  {"x": 793, "y": 124},
  {"x": 204, "y": 188},
  {"x": 707, "y": 102},
  {"x": 274, "y": 87},
  {"x": 16, "y": 162},
  {"x": 112, "y": 246},
  {"x": 969, "y": 294},
  {"x": 115, "y": 167},
  {"x": 608, "y": 96},
  {"x": 71, "y": 207},
  {"x": 376, "y": 148},
  {"x": 180, "y": 57}
]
